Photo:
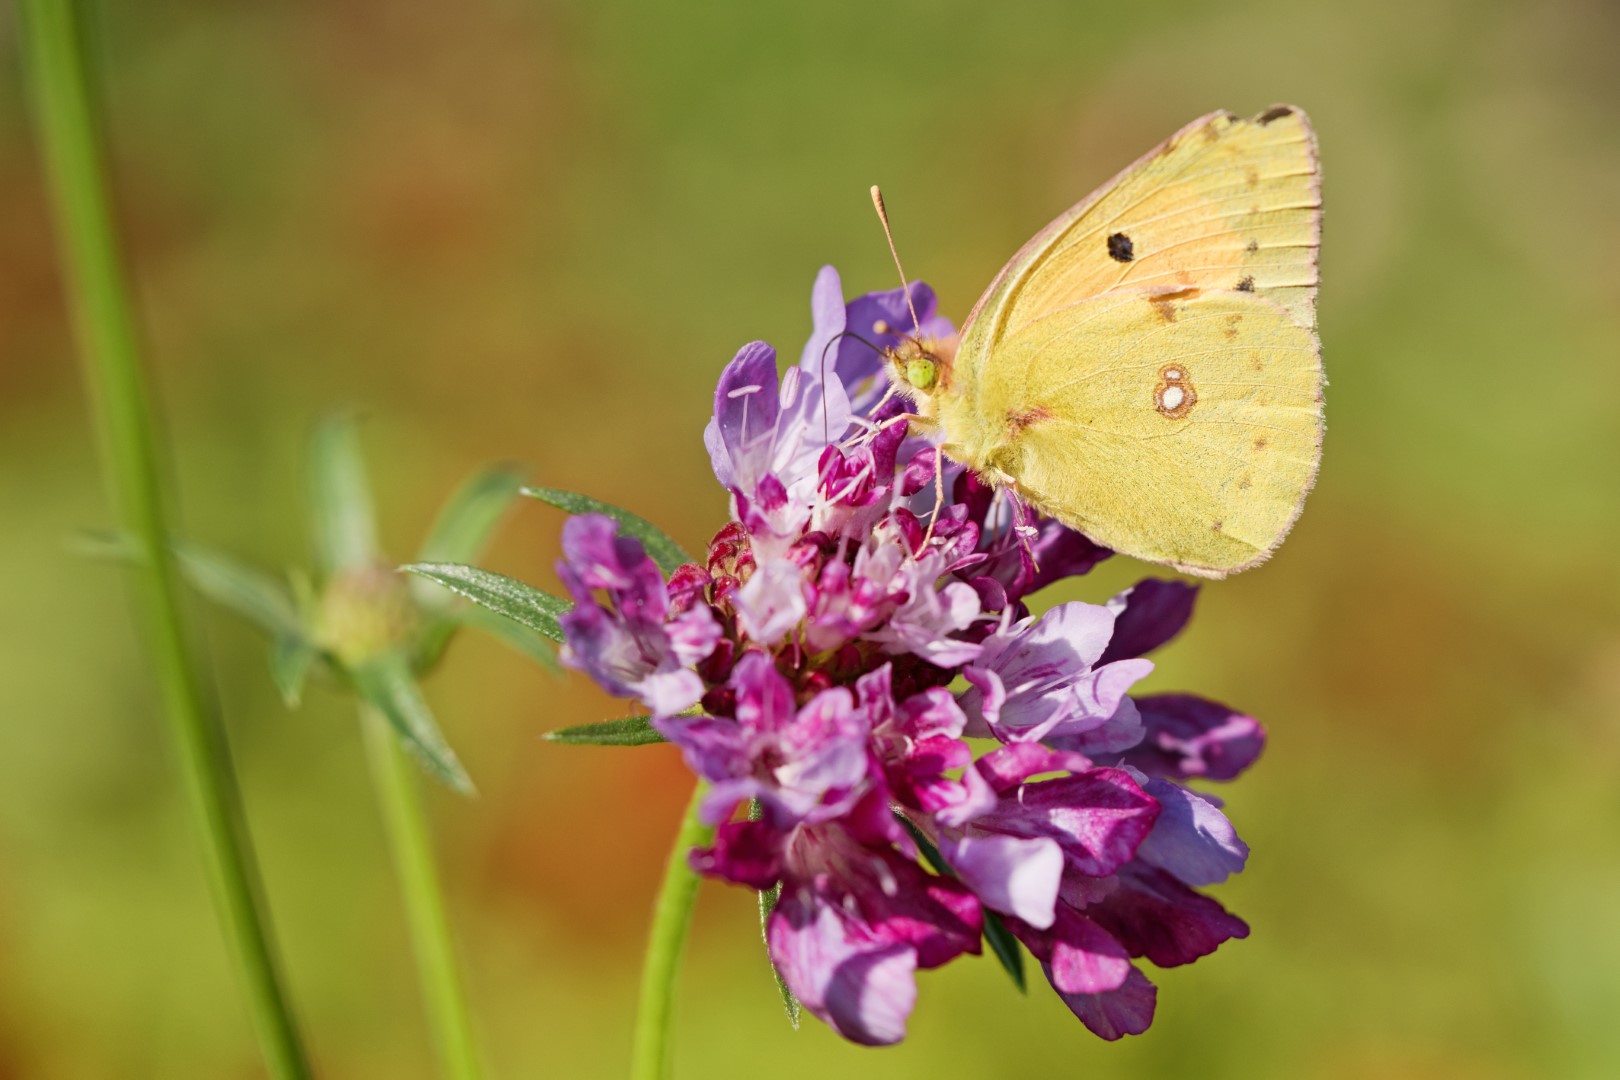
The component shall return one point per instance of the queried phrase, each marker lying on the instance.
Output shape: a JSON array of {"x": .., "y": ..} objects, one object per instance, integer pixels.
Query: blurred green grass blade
[
  {"x": 233, "y": 585},
  {"x": 290, "y": 661},
  {"x": 386, "y": 684},
  {"x": 509, "y": 597},
  {"x": 427, "y": 919},
  {"x": 62, "y": 89},
  {"x": 665, "y": 552},
  {"x": 525, "y": 640},
  {"x": 471, "y": 514},
  {"x": 767, "y": 904},
  {"x": 341, "y": 516},
  {"x": 996, "y": 935},
  {"x": 628, "y": 731}
]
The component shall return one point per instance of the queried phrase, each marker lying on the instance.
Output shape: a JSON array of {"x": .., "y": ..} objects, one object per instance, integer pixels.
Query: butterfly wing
[
  {"x": 1184, "y": 432},
  {"x": 1223, "y": 203},
  {"x": 1067, "y": 343}
]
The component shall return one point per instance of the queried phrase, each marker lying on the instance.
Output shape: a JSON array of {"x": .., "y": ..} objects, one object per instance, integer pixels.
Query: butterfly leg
[
  {"x": 939, "y": 494},
  {"x": 1023, "y": 516}
]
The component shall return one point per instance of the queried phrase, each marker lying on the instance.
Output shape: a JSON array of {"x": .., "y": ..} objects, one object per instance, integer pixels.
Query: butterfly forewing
[
  {"x": 1221, "y": 201},
  {"x": 1200, "y": 256}
]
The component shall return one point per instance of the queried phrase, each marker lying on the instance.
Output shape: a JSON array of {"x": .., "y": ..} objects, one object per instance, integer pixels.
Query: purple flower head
[
  {"x": 1020, "y": 565},
  {"x": 853, "y": 924},
  {"x": 1042, "y": 679},
  {"x": 1156, "y": 916},
  {"x": 1147, "y": 615},
  {"x": 862, "y": 616},
  {"x": 916, "y": 742},
  {"x": 924, "y": 622},
  {"x": 765, "y": 438},
  {"x": 1191, "y": 838},
  {"x": 800, "y": 764},
  {"x": 1016, "y": 838},
  {"x": 633, "y": 645},
  {"x": 1191, "y": 737}
]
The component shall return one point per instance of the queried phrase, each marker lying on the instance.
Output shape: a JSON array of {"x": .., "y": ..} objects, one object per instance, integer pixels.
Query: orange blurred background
[{"x": 537, "y": 231}]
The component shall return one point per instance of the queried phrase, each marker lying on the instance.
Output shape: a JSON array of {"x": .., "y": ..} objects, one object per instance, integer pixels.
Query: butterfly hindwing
[{"x": 1188, "y": 436}]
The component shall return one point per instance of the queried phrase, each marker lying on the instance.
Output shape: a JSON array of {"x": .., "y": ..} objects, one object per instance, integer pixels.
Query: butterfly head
[
  {"x": 920, "y": 367},
  {"x": 921, "y": 373}
]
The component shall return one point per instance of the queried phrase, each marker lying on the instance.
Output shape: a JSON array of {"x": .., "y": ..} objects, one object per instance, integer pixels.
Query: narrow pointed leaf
[
  {"x": 464, "y": 525},
  {"x": 665, "y": 552},
  {"x": 341, "y": 515},
  {"x": 790, "y": 1002},
  {"x": 233, "y": 585},
  {"x": 386, "y": 683},
  {"x": 522, "y": 603},
  {"x": 433, "y": 639},
  {"x": 1006, "y": 948},
  {"x": 254, "y": 595},
  {"x": 996, "y": 935},
  {"x": 522, "y": 638},
  {"x": 767, "y": 904},
  {"x": 290, "y": 661},
  {"x": 628, "y": 731}
]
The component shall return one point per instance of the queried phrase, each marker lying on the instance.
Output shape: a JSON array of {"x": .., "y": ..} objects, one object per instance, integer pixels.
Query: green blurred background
[{"x": 536, "y": 231}]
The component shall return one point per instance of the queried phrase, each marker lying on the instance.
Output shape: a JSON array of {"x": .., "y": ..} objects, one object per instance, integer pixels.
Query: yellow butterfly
[{"x": 1146, "y": 369}]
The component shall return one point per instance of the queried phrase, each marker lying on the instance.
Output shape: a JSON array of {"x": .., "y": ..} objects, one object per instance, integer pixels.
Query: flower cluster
[{"x": 861, "y": 618}]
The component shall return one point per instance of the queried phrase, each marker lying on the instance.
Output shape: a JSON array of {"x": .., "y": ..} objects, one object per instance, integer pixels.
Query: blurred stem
[
  {"x": 53, "y": 49},
  {"x": 399, "y": 797},
  {"x": 650, "y": 1053}
]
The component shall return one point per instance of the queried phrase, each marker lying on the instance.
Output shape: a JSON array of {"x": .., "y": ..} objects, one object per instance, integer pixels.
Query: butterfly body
[{"x": 1146, "y": 369}]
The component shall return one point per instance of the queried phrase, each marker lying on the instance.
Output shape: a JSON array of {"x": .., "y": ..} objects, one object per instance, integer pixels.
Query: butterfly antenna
[
  {"x": 826, "y": 435},
  {"x": 883, "y": 216}
]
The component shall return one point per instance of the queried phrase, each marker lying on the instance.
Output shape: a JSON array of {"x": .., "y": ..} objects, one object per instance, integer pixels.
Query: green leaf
[
  {"x": 1005, "y": 946},
  {"x": 233, "y": 585},
  {"x": 385, "y": 682},
  {"x": 470, "y": 515},
  {"x": 341, "y": 516},
  {"x": 666, "y": 553},
  {"x": 521, "y": 638},
  {"x": 767, "y": 904},
  {"x": 433, "y": 639},
  {"x": 523, "y": 604},
  {"x": 996, "y": 935},
  {"x": 790, "y": 1002},
  {"x": 458, "y": 536},
  {"x": 629, "y": 731},
  {"x": 254, "y": 595},
  {"x": 290, "y": 661}
]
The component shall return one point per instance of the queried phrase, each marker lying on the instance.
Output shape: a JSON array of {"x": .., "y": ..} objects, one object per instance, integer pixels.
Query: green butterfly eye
[{"x": 920, "y": 373}]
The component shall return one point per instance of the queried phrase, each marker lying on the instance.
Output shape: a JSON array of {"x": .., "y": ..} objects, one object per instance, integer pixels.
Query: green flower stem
[
  {"x": 399, "y": 796},
  {"x": 650, "y": 1053},
  {"x": 52, "y": 41}
]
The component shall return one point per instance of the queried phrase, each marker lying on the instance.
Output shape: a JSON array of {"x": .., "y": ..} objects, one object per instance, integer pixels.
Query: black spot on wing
[
  {"x": 1245, "y": 284},
  {"x": 1254, "y": 246},
  {"x": 1120, "y": 248},
  {"x": 1276, "y": 112}
]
